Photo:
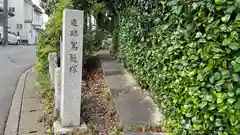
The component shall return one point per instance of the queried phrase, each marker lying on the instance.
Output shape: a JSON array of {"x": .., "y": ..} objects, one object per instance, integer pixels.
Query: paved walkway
[
  {"x": 135, "y": 107},
  {"x": 26, "y": 110}
]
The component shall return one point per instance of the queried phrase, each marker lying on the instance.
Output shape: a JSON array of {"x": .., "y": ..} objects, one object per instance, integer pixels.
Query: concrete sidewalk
[
  {"x": 26, "y": 109},
  {"x": 135, "y": 108}
]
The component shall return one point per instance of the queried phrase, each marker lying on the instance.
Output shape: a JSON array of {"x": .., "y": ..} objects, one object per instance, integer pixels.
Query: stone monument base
[{"x": 59, "y": 130}]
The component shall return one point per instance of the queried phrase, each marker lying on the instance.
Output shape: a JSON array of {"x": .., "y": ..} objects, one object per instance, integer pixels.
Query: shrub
[
  {"x": 187, "y": 53},
  {"x": 49, "y": 40}
]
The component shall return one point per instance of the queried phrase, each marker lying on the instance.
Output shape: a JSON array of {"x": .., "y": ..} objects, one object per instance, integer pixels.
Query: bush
[
  {"x": 49, "y": 40},
  {"x": 187, "y": 54}
]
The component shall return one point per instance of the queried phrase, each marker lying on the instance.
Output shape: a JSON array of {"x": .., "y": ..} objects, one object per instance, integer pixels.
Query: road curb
[{"x": 12, "y": 123}]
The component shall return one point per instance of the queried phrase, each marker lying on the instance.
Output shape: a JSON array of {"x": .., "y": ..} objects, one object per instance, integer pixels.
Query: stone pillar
[
  {"x": 52, "y": 60},
  {"x": 57, "y": 94},
  {"x": 71, "y": 67}
]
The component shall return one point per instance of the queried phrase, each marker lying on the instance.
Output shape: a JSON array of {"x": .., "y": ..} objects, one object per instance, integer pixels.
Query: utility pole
[{"x": 5, "y": 25}]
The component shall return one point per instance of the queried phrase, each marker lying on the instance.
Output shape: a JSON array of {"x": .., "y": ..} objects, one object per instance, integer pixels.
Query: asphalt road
[{"x": 14, "y": 60}]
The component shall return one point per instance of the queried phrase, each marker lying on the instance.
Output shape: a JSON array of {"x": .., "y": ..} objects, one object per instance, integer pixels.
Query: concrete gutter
[{"x": 12, "y": 123}]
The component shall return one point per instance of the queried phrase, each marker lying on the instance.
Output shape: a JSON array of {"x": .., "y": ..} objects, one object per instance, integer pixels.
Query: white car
[{"x": 12, "y": 37}]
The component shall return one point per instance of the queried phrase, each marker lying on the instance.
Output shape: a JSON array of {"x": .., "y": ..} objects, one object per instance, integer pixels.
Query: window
[
  {"x": 11, "y": 9},
  {"x": 19, "y": 26}
]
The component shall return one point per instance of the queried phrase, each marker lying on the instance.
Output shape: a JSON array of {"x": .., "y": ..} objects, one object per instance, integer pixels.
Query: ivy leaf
[
  {"x": 203, "y": 104},
  {"x": 236, "y": 66},
  {"x": 212, "y": 79},
  {"x": 220, "y": 82},
  {"x": 219, "y": 2},
  {"x": 218, "y": 122},
  {"x": 177, "y": 10},
  {"x": 209, "y": 67},
  {"x": 202, "y": 40},
  {"x": 227, "y": 41},
  {"x": 220, "y": 99},
  {"x": 217, "y": 76},
  {"x": 224, "y": 133},
  {"x": 235, "y": 77},
  {"x": 210, "y": 19},
  {"x": 209, "y": 98},
  {"x": 215, "y": 49},
  {"x": 237, "y": 104},
  {"x": 238, "y": 91},
  {"x": 233, "y": 120},
  {"x": 230, "y": 9},
  {"x": 225, "y": 73},
  {"x": 189, "y": 115},
  {"x": 218, "y": 88},
  {"x": 238, "y": 59},
  {"x": 225, "y": 18},
  {"x": 173, "y": 2},
  {"x": 231, "y": 100},
  {"x": 212, "y": 118},
  {"x": 234, "y": 46},
  {"x": 198, "y": 35},
  {"x": 231, "y": 94},
  {"x": 230, "y": 86},
  {"x": 237, "y": 18},
  {"x": 212, "y": 107}
]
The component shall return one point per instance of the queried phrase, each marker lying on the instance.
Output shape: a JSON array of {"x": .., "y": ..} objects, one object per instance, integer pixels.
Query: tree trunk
[
  {"x": 100, "y": 20},
  {"x": 85, "y": 22},
  {"x": 90, "y": 21},
  {"x": 115, "y": 27}
]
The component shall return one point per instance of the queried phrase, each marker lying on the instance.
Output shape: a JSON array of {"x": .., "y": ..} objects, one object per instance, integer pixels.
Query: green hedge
[{"x": 187, "y": 53}]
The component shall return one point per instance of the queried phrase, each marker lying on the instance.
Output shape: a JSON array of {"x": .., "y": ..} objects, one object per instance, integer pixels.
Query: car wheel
[{"x": 18, "y": 42}]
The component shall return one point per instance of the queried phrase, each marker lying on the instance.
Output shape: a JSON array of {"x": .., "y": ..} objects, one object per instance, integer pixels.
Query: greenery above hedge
[{"x": 187, "y": 53}]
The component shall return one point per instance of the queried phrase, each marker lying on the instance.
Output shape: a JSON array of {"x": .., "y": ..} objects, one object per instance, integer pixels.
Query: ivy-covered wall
[{"x": 187, "y": 53}]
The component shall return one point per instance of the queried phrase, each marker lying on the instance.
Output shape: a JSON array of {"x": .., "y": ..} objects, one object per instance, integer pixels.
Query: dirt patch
[{"x": 98, "y": 111}]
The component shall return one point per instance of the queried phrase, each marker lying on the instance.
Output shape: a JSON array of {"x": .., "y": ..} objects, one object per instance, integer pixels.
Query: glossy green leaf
[
  {"x": 218, "y": 122},
  {"x": 224, "y": 133},
  {"x": 217, "y": 76},
  {"x": 212, "y": 79},
  {"x": 220, "y": 99},
  {"x": 238, "y": 91},
  {"x": 231, "y": 94},
  {"x": 225, "y": 18},
  {"x": 212, "y": 118},
  {"x": 231, "y": 100},
  {"x": 209, "y": 98},
  {"x": 238, "y": 59},
  {"x": 198, "y": 35},
  {"x": 234, "y": 46},
  {"x": 219, "y": 2},
  {"x": 230, "y": 86},
  {"x": 236, "y": 77},
  {"x": 211, "y": 107},
  {"x": 220, "y": 82},
  {"x": 237, "y": 104},
  {"x": 227, "y": 41},
  {"x": 203, "y": 104},
  {"x": 233, "y": 120}
]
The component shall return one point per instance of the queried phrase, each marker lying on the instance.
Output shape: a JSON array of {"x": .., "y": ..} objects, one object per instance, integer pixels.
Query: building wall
[
  {"x": 28, "y": 29},
  {"x": 1, "y": 20},
  {"x": 19, "y": 16},
  {"x": 28, "y": 11},
  {"x": 37, "y": 18}
]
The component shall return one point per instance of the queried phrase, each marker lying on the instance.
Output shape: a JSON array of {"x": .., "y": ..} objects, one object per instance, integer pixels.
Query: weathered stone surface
[
  {"x": 71, "y": 67},
  {"x": 52, "y": 60},
  {"x": 57, "y": 94}
]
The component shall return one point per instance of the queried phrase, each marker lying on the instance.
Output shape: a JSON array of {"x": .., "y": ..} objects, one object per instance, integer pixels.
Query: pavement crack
[{"x": 14, "y": 62}]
